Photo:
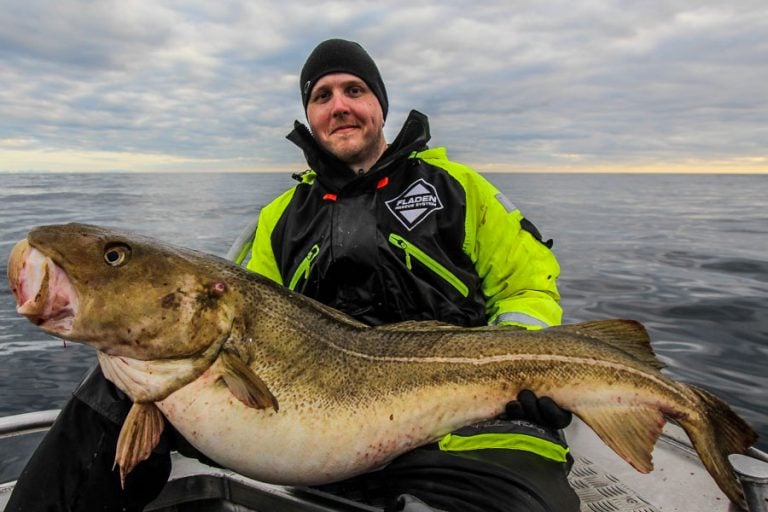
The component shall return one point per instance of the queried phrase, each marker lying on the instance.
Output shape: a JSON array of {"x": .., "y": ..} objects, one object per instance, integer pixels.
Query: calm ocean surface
[{"x": 686, "y": 255}]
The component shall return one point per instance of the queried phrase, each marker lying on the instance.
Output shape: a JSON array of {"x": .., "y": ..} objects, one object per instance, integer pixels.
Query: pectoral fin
[
  {"x": 246, "y": 385},
  {"x": 138, "y": 437}
]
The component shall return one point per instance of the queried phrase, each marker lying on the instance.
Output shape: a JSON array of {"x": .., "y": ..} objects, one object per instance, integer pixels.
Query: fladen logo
[{"x": 415, "y": 204}]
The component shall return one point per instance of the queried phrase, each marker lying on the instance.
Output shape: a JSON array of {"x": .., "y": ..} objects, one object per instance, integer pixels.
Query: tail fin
[{"x": 716, "y": 433}]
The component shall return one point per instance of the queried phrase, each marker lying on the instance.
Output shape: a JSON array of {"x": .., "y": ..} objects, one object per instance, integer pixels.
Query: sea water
[{"x": 687, "y": 255}]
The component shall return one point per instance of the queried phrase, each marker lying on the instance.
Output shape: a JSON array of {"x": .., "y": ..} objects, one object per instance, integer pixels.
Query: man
[
  {"x": 385, "y": 233},
  {"x": 396, "y": 232}
]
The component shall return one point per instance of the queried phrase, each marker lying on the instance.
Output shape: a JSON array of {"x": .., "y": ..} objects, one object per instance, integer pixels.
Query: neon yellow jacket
[{"x": 418, "y": 237}]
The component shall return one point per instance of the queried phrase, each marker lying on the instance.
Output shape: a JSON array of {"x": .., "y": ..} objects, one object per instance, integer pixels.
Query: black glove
[{"x": 542, "y": 411}]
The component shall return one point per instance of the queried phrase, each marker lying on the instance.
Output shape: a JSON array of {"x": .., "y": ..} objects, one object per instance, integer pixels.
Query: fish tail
[{"x": 717, "y": 432}]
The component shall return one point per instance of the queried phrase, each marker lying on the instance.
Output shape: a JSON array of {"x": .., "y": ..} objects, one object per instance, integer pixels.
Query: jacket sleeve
[
  {"x": 518, "y": 271},
  {"x": 72, "y": 469},
  {"x": 263, "y": 260}
]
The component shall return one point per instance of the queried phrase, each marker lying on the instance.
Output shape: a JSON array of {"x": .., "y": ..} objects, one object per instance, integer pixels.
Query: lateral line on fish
[
  {"x": 501, "y": 358},
  {"x": 488, "y": 359}
]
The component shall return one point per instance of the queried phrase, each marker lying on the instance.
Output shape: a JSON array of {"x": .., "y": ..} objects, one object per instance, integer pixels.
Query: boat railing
[
  {"x": 27, "y": 423},
  {"x": 193, "y": 482}
]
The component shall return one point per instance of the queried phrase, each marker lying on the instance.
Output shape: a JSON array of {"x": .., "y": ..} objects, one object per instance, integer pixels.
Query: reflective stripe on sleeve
[
  {"x": 520, "y": 318},
  {"x": 523, "y": 442}
]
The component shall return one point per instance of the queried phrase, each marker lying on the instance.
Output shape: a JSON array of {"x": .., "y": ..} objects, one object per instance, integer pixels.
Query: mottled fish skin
[{"x": 282, "y": 388}]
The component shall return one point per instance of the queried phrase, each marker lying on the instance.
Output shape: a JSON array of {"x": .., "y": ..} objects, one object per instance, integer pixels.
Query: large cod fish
[{"x": 282, "y": 389}]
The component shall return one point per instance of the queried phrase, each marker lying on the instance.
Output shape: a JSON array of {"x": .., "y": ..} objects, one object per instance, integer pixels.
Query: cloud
[{"x": 537, "y": 84}]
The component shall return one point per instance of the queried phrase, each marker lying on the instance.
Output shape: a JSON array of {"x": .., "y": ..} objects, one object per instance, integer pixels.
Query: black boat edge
[{"x": 602, "y": 480}]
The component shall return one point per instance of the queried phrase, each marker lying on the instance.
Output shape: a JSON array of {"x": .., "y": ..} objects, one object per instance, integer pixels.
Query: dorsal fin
[
  {"x": 417, "y": 325},
  {"x": 627, "y": 335}
]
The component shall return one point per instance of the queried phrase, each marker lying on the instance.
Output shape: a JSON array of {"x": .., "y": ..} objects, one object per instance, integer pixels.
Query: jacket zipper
[
  {"x": 304, "y": 267},
  {"x": 429, "y": 262}
]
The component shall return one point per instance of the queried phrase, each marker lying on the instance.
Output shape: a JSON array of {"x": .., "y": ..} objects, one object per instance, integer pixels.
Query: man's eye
[{"x": 320, "y": 97}]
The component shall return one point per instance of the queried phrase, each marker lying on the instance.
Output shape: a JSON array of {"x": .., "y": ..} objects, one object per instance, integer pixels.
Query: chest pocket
[{"x": 412, "y": 252}]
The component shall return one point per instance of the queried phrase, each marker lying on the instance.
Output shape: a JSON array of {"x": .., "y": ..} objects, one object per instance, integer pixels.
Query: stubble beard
[{"x": 362, "y": 155}]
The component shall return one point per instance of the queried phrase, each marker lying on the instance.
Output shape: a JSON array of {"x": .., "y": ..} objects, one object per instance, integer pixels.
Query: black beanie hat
[{"x": 340, "y": 56}]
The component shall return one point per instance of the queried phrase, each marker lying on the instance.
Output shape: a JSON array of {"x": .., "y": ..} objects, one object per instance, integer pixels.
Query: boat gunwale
[{"x": 209, "y": 482}]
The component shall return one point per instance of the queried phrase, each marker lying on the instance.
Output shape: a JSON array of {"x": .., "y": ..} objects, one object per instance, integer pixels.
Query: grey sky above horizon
[{"x": 191, "y": 85}]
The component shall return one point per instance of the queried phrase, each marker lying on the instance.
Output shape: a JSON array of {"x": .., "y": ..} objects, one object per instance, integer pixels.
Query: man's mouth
[{"x": 344, "y": 129}]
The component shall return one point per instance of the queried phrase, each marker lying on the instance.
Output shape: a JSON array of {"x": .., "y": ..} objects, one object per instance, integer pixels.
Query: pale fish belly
[{"x": 310, "y": 444}]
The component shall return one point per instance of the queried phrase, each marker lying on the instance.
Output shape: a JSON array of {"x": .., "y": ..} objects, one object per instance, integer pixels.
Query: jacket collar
[{"x": 336, "y": 175}]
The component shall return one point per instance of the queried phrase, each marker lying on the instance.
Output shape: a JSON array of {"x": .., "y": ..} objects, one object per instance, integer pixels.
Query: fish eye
[{"x": 116, "y": 254}]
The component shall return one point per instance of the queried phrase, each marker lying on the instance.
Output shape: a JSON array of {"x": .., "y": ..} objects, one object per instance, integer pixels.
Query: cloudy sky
[{"x": 152, "y": 85}]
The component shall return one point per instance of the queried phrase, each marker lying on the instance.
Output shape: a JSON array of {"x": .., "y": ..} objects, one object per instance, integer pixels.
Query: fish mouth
[{"x": 44, "y": 294}]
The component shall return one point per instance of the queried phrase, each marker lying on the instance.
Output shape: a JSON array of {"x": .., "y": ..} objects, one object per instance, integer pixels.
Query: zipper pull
[
  {"x": 311, "y": 255},
  {"x": 403, "y": 244},
  {"x": 304, "y": 267}
]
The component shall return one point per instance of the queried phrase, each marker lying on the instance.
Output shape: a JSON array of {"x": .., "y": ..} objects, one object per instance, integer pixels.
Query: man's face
[{"x": 346, "y": 119}]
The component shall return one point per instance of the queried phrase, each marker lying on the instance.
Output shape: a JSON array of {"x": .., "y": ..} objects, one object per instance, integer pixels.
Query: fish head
[{"x": 122, "y": 293}]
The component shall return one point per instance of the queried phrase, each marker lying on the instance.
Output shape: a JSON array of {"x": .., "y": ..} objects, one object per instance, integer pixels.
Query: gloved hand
[{"x": 542, "y": 411}]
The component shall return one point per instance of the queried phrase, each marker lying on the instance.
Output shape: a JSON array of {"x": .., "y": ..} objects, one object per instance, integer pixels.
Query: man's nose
[{"x": 339, "y": 105}]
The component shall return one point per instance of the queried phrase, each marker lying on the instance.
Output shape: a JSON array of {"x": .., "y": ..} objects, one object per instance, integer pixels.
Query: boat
[{"x": 603, "y": 481}]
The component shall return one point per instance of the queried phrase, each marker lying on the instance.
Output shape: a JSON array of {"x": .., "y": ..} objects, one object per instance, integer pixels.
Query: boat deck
[{"x": 603, "y": 481}]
